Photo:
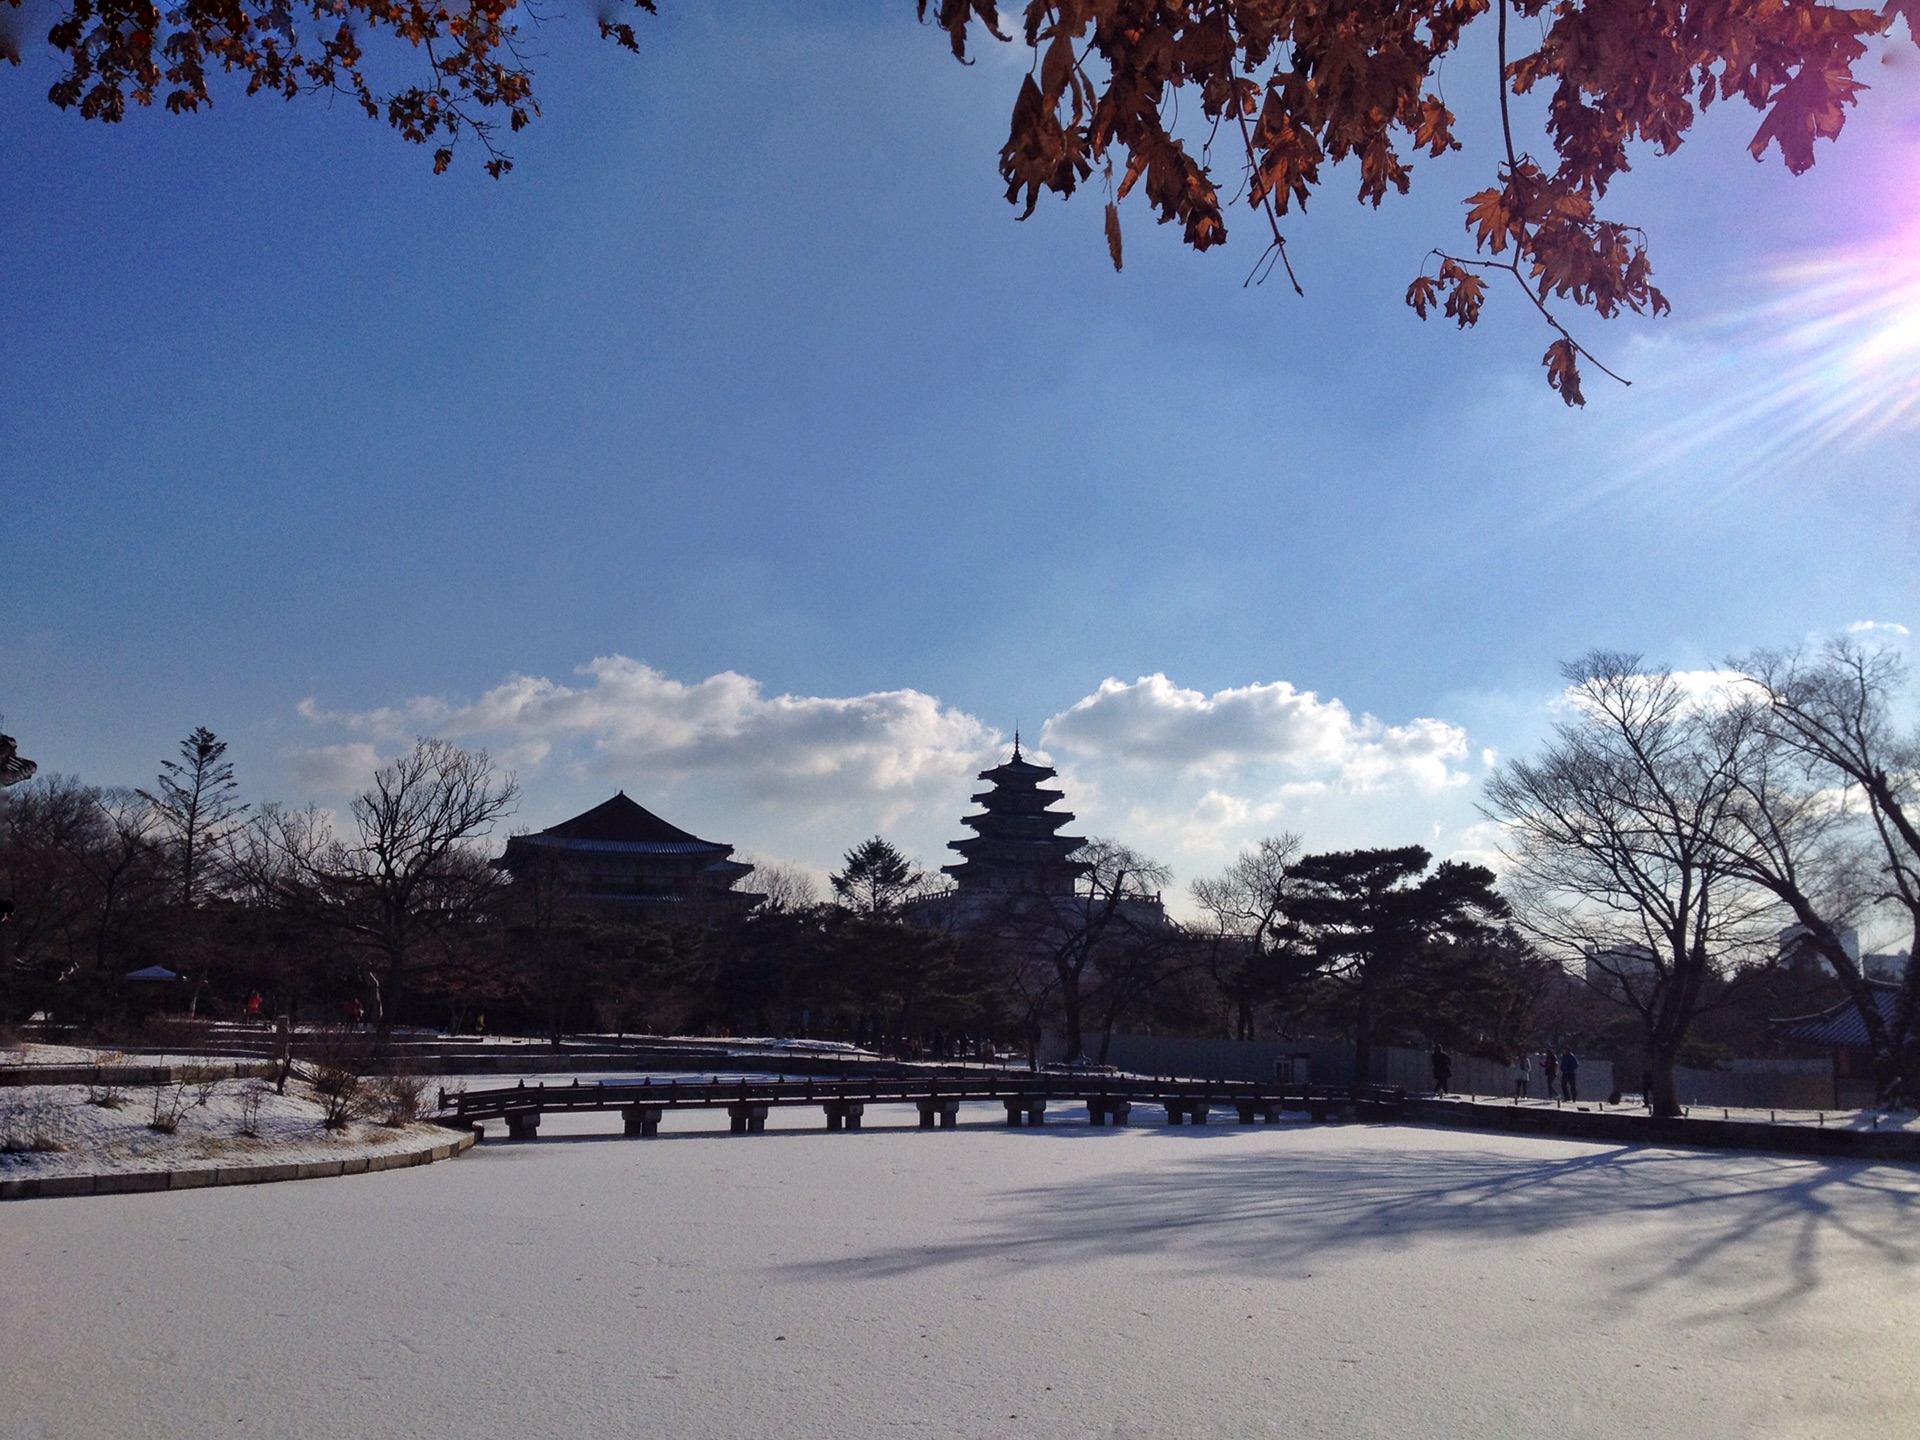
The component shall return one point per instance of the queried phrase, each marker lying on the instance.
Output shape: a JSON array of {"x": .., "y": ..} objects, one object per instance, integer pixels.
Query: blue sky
[{"x": 748, "y": 371}]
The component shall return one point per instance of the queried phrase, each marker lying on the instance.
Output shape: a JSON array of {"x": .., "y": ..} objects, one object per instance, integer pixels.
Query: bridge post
[
  {"x": 1246, "y": 1109},
  {"x": 949, "y": 1114},
  {"x": 855, "y": 1109},
  {"x": 1119, "y": 1111},
  {"x": 1176, "y": 1112},
  {"x": 1036, "y": 1113},
  {"x": 1096, "y": 1113},
  {"x": 522, "y": 1124},
  {"x": 1014, "y": 1106},
  {"x": 747, "y": 1117},
  {"x": 1197, "y": 1111},
  {"x": 926, "y": 1114},
  {"x": 643, "y": 1120}
]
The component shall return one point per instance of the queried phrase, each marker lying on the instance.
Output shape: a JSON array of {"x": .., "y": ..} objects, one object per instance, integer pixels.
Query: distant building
[
  {"x": 1889, "y": 967},
  {"x": 1016, "y": 844},
  {"x": 1796, "y": 943},
  {"x": 1616, "y": 970},
  {"x": 621, "y": 856},
  {"x": 1017, "y": 865},
  {"x": 1884, "y": 965}
]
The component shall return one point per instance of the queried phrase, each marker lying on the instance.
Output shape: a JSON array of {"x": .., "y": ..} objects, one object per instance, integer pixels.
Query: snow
[
  {"x": 1293, "y": 1280},
  {"x": 92, "y": 1139}
]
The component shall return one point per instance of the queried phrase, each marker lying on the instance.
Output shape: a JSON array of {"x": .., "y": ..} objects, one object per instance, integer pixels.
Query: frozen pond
[{"x": 1066, "y": 1282}]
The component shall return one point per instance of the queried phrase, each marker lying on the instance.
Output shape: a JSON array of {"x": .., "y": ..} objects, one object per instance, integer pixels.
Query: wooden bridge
[{"x": 1109, "y": 1100}]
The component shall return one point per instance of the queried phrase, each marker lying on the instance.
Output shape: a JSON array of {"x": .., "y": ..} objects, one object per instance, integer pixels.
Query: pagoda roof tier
[
  {"x": 1018, "y": 772},
  {"x": 1018, "y": 799},
  {"x": 1010, "y": 822},
  {"x": 1017, "y": 847}
]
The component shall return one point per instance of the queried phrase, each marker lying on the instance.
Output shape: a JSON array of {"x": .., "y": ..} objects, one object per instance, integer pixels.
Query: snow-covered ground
[
  {"x": 1067, "y": 1282},
  {"x": 48, "y": 1130}
]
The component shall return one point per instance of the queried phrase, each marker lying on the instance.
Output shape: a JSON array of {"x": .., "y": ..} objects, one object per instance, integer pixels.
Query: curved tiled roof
[
  {"x": 621, "y": 823},
  {"x": 1839, "y": 1024}
]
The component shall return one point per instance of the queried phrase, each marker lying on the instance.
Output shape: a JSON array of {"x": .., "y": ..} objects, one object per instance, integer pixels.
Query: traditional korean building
[
  {"x": 622, "y": 856},
  {"x": 1016, "y": 846},
  {"x": 1841, "y": 1032}
]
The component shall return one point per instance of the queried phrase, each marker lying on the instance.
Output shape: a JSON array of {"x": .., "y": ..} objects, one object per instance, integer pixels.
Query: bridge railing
[{"x": 1106, "y": 1096}]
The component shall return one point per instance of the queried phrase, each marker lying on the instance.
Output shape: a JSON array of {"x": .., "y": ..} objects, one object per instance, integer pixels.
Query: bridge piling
[
  {"x": 937, "y": 1109},
  {"x": 643, "y": 1120}
]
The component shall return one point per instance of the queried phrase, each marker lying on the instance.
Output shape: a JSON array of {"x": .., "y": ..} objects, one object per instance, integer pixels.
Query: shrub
[
  {"x": 401, "y": 1098},
  {"x": 342, "y": 1095},
  {"x": 251, "y": 1099},
  {"x": 28, "y": 1130},
  {"x": 106, "y": 1094},
  {"x": 169, "y": 1104}
]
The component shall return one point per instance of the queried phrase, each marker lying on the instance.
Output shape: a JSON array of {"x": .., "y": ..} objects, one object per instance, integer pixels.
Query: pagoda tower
[{"x": 1016, "y": 846}]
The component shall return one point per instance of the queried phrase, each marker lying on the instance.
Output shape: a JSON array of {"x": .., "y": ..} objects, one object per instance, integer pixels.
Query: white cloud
[
  {"x": 1866, "y": 627},
  {"x": 334, "y": 768},
  {"x": 1153, "y": 722},
  {"x": 629, "y": 721},
  {"x": 1188, "y": 777}
]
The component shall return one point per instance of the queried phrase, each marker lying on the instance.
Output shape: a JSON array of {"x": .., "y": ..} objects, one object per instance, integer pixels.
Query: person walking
[
  {"x": 1520, "y": 1072},
  {"x": 1442, "y": 1070},
  {"x": 1570, "y": 1077},
  {"x": 1550, "y": 1072}
]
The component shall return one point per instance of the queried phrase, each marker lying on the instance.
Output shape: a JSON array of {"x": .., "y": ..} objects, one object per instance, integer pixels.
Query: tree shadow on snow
[{"x": 1756, "y": 1228}]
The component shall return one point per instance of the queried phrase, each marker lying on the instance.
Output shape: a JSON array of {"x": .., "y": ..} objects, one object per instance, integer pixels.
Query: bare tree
[
  {"x": 123, "y": 861},
  {"x": 1247, "y": 905},
  {"x": 1858, "y": 787},
  {"x": 1115, "y": 903},
  {"x": 787, "y": 888},
  {"x": 1621, "y": 839},
  {"x": 411, "y": 870}
]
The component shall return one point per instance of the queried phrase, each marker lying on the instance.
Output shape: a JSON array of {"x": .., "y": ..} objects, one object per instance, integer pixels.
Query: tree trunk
[
  {"x": 1070, "y": 1018},
  {"x": 1663, "y": 1097},
  {"x": 1363, "y": 1041}
]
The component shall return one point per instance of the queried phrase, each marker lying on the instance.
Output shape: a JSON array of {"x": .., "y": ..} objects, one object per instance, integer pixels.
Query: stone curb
[
  {"x": 1835, "y": 1143},
  {"x": 15, "y": 1075},
  {"x": 139, "y": 1182}
]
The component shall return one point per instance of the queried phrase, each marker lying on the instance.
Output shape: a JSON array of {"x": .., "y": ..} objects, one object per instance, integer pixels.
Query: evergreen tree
[
  {"x": 1366, "y": 924},
  {"x": 196, "y": 802},
  {"x": 878, "y": 880}
]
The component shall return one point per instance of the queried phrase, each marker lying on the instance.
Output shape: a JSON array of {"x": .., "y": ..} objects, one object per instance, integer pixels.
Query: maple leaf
[
  {"x": 1563, "y": 371},
  {"x": 1422, "y": 294}
]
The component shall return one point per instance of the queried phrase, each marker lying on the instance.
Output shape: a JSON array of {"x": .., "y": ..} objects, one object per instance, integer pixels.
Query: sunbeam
[{"x": 1828, "y": 358}]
